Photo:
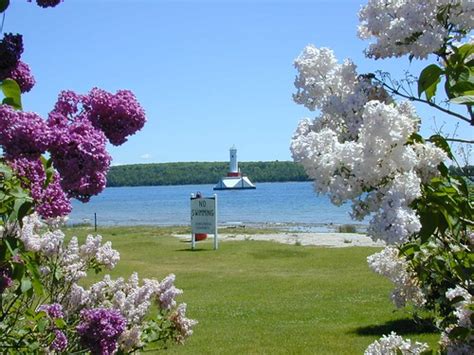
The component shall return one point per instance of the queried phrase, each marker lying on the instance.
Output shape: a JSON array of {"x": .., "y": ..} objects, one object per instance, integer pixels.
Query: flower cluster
[
  {"x": 54, "y": 311},
  {"x": 118, "y": 116},
  {"x": 394, "y": 344},
  {"x": 417, "y": 28},
  {"x": 11, "y": 48},
  {"x": 463, "y": 310},
  {"x": 133, "y": 301},
  {"x": 75, "y": 135},
  {"x": 51, "y": 201},
  {"x": 73, "y": 260},
  {"x": 357, "y": 149},
  {"x": 47, "y": 3},
  {"x": 60, "y": 341},
  {"x": 389, "y": 264},
  {"x": 183, "y": 325},
  {"x": 119, "y": 306},
  {"x": 100, "y": 329},
  {"x": 23, "y": 76},
  {"x": 23, "y": 134},
  {"x": 80, "y": 156},
  {"x": 83, "y": 123}
]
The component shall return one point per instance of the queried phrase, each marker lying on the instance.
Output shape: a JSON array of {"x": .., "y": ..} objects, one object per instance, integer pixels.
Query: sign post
[{"x": 203, "y": 217}]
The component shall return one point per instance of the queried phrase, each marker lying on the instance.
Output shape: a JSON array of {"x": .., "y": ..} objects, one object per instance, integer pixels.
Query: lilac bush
[
  {"x": 364, "y": 147},
  {"x": 45, "y": 163}
]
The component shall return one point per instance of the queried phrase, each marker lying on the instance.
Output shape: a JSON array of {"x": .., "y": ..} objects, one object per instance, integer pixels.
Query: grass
[{"x": 260, "y": 297}]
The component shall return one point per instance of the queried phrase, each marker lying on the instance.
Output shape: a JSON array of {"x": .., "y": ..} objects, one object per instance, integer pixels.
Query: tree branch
[
  {"x": 432, "y": 104},
  {"x": 457, "y": 140}
]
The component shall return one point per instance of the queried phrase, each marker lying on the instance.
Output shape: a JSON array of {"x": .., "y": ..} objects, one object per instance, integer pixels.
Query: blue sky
[{"x": 209, "y": 74}]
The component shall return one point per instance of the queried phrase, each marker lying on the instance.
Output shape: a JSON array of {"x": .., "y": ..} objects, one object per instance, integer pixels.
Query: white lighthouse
[
  {"x": 234, "y": 180},
  {"x": 233, "y": 165}
]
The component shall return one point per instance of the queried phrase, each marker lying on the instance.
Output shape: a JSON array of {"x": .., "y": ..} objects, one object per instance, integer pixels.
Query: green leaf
[
  {"x": 440, "y": 142},
  {"x": 25, "y": 284},
  {"x": 4, "y": 5},
  {"x": 60, "y": 323},
  {"x": 415, "y": 138},
  {"x": 6, "y": 172},
  {"x": 462, "y": 53},
  {"x": 409, "y": 249},
  {"x": 58, "y": 274},
  {"x": 428, "y": 81},
  {"x": 42, "y": 324},
  {"x": 444, "y": 172},
  {"x": 12, "y": 93},
  {"x": 458, "y": 333},
  {"x": 462, "y": 88},
  {"x": 33, "y": 268},
  {"x": 463, "y": 100}
]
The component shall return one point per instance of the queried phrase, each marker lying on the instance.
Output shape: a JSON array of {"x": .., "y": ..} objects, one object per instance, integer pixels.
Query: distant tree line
[
  {"x": 466, "y": 171},
  {"x": 201, "y": 173}
]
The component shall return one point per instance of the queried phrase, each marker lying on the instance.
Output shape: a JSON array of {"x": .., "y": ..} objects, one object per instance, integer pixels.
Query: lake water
[{"x": 291, "y": 205}]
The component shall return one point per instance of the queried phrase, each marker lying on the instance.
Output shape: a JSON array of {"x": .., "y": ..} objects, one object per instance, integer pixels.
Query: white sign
[{"x": 203, "y": 215}]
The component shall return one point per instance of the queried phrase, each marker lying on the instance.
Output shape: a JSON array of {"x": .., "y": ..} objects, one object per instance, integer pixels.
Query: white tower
[{"x": 233, "y": 165}]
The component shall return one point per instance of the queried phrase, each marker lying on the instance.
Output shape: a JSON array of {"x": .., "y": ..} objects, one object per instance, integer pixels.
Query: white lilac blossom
[
  {"x": 463, "y": 313},
  {"x": 167, "y": 292},
  {"x": 389, "y": 264},
  {"x": 51, "y": 242},
  {"x": 130, "y": 339},
  {"x": 320, "y": 74},
  {"x": 356, "y": 149},
  {"x": 394, "y": 344},
  {"x": 132, "y": 299},
  {"x": 73, "y": 259},
  {"x": 29, "y": 232},
  {"x": 75, "y": 299},
  {"x": 183, "y": 325},
  {"x": 107, "y": 256},
  {"x": 417, "y": 28}
]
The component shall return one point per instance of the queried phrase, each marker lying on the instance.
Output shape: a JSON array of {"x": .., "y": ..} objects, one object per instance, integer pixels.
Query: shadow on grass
[
  {"x": 195, "y": 250},
  {"x": 399, "y": 326}
]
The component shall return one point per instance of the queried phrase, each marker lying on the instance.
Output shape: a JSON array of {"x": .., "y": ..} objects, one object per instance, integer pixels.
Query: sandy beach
[{"x": 332, "y": 240}]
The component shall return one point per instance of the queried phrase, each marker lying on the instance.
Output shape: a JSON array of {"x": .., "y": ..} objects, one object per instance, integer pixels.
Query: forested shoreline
[{"x": 184, "y": 173}]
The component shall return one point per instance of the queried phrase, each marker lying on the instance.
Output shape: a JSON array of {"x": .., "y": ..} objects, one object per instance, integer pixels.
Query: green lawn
[{"x": 261, "y": 297}]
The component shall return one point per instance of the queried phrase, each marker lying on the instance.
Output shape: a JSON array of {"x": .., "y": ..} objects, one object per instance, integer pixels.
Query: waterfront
[{"x": 291, "y": 205}]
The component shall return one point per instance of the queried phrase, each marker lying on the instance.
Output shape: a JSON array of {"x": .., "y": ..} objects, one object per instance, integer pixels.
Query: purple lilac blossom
[
  {"x": 67, "y": 105},
  {"x": 118, "y": 116},
  {"x": 5, "y": 279},
  {"x": 30, "y": 169},
  {"x": 22, "y": 75},
  {"x": 79, "y": 154},
  {"x": 52, "y": 201},
  {"x": 47, "y": 3},
  {"x": 60, "y": 342},
  {"x": 54, "y": 310},
  {"x": 100, "y": 329},
  {"x": 11, "y": 48},
  {"x": 23, "y": 134}
]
